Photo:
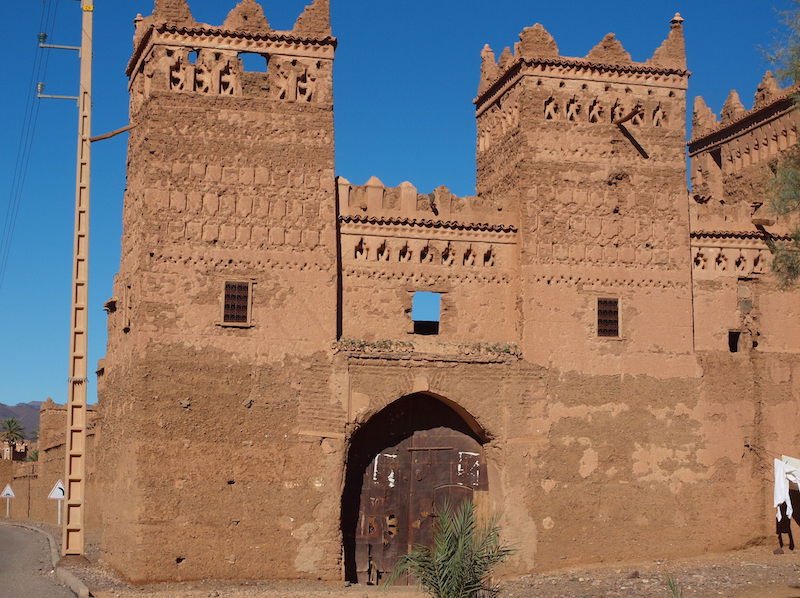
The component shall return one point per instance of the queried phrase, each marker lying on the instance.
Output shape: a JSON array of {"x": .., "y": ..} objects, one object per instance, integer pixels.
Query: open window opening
[
  {"x": 253, "y": 63},
  {"x": 426, "y": 312},
  {"x": 716, "y": 155},
  {"x": 608, "y": 318},
  {"x": 733, "y": 340}
]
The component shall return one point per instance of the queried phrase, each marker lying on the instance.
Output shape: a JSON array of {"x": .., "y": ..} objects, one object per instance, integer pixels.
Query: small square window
[
  {"x": 237, "y": 301},
  {"x": 426, "y": 312},
  {"x": 608, "y": 318}
]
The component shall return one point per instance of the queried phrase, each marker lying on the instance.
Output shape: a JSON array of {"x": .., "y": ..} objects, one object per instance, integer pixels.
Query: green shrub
[{"x": 461, "y": 561}]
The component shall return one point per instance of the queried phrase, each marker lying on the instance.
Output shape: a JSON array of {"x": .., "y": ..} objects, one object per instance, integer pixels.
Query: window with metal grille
[
  {"x": 608, "y": 317},
  {"x": 237, "y": 303}
]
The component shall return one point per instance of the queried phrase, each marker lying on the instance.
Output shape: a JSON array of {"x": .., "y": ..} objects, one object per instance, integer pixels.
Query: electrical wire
[{"x": 27, "y": 136}]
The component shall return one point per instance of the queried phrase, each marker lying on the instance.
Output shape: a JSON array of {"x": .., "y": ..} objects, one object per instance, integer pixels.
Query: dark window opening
[
  {"x": 608, "y": 317},
  {"x": 426, "y": 328},
  {"x": 733, "y": 340},
  {"x": 237, "y": 303},
  {"x": 426, "y": 311},
  {"x": 716, "y": 154}
]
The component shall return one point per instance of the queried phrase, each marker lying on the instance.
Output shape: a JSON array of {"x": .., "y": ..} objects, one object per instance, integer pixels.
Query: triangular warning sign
[
  {"x": 57, "y": 493},
  {"x": 7, "y": 492}
]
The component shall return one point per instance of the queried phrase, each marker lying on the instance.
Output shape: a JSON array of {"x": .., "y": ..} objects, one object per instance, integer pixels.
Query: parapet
[
  {"x": 770, "y": 102},
  {"x": 731, "y": 164},
  {"x": 174, "y": 53},
  {"x": 375, "y": 203},
  {"x": 385, "y": 229},
  {"x": 246, "y": 23},
  {"x": 536, "y": 47}
]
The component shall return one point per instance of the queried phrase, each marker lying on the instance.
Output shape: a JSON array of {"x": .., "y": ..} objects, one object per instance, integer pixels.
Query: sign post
[
  {"x": 57, "y": 494},
  {"x": 8, "y": 494}
]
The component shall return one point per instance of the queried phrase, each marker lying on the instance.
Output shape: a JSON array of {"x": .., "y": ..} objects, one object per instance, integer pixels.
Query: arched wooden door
[{"x": 429, "y": 456}]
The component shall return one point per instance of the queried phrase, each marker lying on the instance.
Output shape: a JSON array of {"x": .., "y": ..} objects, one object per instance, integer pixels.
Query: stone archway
[{"x": 411, "y": 456}]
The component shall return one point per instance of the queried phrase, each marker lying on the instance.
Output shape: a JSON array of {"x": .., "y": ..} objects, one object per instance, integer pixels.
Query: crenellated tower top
[
  {"x": 741, "y": 145},
  {"x": 537, "y": 48},
  {"x": 172, "y": 11},
  {"x": 173, "y": 52},
  {"x": 247, "y": 16},
  {"x": 566, "y": 109}
]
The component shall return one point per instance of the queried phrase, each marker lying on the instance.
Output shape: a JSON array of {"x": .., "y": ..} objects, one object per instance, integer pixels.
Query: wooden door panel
[{"x": 402, "y": 488}]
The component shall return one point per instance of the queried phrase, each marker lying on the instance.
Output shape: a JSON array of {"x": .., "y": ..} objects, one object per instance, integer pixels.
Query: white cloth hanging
[
  {"x": 781, "y": 491},
  {"x": 792, "y": 470},
  {"x": 787, "y": 469}
]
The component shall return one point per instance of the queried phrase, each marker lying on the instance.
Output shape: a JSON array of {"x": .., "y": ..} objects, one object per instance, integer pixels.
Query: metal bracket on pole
[
  {"x": 43, "y": 96},
  {"x": 51, "y": 97},
  {"x": 59, "y": 47}
]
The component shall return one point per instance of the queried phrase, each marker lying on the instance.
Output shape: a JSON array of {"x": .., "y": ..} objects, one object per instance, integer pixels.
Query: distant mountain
[{"x": 27, "y": 414}]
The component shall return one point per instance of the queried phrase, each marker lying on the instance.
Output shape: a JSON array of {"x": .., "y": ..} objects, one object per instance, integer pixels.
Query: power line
[{"x": 27, "y": 136}]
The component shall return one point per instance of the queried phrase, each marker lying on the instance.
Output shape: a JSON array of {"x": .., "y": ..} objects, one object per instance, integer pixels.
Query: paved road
[{"x": 25, "y": 566}]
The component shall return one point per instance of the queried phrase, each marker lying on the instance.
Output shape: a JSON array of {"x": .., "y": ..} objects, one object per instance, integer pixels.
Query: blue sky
[{"x": 406, "y": 73}]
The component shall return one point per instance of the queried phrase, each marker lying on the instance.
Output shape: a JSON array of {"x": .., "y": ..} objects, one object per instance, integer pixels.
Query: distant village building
[
  {"x": 13, "y": 451},
  {"x": 605, "y": 360}
]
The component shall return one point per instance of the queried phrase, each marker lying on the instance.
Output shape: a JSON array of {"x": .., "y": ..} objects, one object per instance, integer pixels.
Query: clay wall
[
  {"x": 218, "y": 480},
  {"x": 737, "y": 309},
  {"x": 395, "y": 241},
  {"x": 603, "y": 468}
]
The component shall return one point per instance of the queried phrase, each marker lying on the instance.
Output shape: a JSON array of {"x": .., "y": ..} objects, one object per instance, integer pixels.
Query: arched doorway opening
[{"x": 410, "y": 457}]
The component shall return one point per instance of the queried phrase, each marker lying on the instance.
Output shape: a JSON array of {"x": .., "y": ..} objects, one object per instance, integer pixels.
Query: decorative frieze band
[
  {"x": 414, "y": 276},
  {"x": 607, "y": 282},
  {"x": 712, "y": 261},
  {"x": 566, "y": 68},
  {"x": 261, "y": 264},
  {"x": 429, "y": 223}
]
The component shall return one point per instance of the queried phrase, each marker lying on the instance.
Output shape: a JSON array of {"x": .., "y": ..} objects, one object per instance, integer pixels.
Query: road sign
[
  {"x": 8, "y": 494},
  {"x": 57, "y": 493}
]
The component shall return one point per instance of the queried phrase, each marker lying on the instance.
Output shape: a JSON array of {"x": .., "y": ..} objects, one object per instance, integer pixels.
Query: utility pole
[{"x": 73, "y": 535}]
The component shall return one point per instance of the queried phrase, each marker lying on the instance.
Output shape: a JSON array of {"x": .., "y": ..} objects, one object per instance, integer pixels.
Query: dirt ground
[{"x": 751, "y": 573}]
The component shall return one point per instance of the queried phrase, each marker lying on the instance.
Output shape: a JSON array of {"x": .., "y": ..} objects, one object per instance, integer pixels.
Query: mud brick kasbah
[{"x": 611, "y": 361}]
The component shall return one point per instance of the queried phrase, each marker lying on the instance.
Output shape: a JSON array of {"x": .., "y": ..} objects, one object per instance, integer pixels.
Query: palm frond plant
[
  {"x": 462, "y": 559},
  {"x": 11, "y": 430}
]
